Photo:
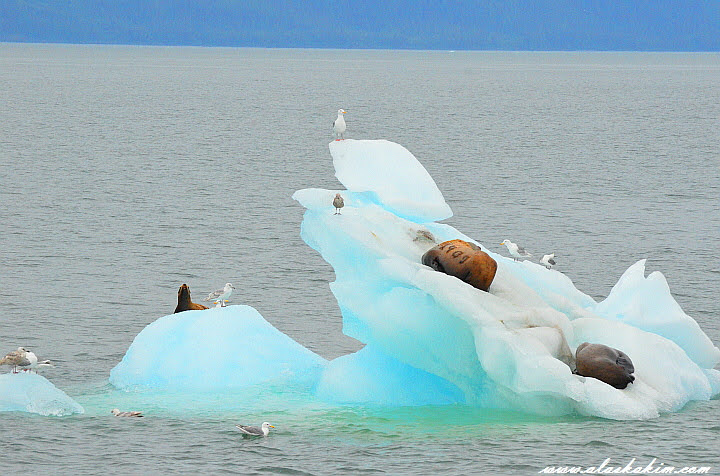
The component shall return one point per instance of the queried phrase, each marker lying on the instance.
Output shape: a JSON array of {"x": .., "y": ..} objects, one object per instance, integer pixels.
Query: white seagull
[
  {"x": 548, "y": 260},
  {"x": 255, "y": 430},
  {"x": 43, "y": 363},
  {"x": 221, "y": 295},
  {"x": 32, "y": 361},
  {"x": 338, "y": 203},
  {"x": 118, "y": 413},
  {"x": 34, "y": 364},
  {"x": 516, "y": 251},
  {"x": 339, "y": 125}
]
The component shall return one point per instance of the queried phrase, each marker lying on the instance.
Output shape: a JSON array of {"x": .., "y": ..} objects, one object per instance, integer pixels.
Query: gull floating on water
[
  {"x": 118, "y": 413},
  {"x": 339, "y": 125},
  {"x": 221, "y": 295},
  {"x": 548, "y": 260},
  {"x": 255, "y": 430},
  {"x": 338, "y": 203},
  {"x": 516, "y": 251},
  {"x": 18, "y": 358}
]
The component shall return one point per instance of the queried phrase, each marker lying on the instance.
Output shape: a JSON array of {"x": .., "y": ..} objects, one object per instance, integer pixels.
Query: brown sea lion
[
  {"x": 604, "y": 363},
  {"x": 184, "y": 302},
  {"x": 466, "y": 261}
]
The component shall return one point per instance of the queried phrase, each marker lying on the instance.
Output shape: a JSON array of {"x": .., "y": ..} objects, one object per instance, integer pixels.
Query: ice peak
[{"x": 393, "y": 174}]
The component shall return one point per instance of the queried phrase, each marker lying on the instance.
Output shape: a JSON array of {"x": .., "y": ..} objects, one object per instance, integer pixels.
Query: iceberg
[
  {"x": 509, "y": 348},
  {"x": 430, "y": 338},
  {"x": 222, "y": 348},
  {"x": 33, "y": 393}
]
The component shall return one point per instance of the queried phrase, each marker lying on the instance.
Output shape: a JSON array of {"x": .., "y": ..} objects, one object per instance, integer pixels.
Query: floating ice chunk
[
  {"x": 220, "y": 348},
  {"x": 371, "y": 377},
  {"x": 512, "y": 347},
  {"x": 647, "y": 304},
  {"x": 33, "y": 393},
  {"x": 394, "y": 176}
]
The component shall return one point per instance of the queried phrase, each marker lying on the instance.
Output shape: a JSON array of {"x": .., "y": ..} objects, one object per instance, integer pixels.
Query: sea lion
[
  {"x": 466, "y": 261},
  {"x": 184, "y": 302},
  {"x": 604, "y": 363}
]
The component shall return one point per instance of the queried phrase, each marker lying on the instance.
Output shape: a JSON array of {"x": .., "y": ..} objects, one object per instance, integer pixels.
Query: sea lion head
[{"x": 184, "y": 293}]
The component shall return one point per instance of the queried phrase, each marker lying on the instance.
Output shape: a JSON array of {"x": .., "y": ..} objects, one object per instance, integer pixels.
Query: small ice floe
[
  {"x": 255, "y": 430},
  {"x": 516, "y": 251}
]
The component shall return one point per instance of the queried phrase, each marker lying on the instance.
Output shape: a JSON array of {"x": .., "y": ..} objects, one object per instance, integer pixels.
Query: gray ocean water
[{"x": 127, "y": 171}]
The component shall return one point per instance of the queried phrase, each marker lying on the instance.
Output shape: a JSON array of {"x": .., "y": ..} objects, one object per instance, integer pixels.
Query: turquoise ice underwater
[{"x": 430, "y": 338}]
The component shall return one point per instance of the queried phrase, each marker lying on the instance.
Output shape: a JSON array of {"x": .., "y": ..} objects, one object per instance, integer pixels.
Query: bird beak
[
  {"x": 344, "y": 112},
  {"x": 271, "y": 426}
]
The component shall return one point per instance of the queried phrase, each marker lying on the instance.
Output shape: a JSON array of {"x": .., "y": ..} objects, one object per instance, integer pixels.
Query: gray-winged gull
[
  {"x": 338, "y": 203},
  {"x": 339, "y": 125},
  {"x": 255, "y": 430},
  {"x": 221, "y": 295},
  {"x": 548, "y": 260},
  {"x": 17, "y": 358},
  {"x": 516, "y": 251}
]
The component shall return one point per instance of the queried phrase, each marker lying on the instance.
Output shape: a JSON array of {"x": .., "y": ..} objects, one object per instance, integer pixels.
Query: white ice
[
  {"x": 33, "y": 393},
  {"x": 390, "y": 174},
  {"x": 509, "y": 348}
]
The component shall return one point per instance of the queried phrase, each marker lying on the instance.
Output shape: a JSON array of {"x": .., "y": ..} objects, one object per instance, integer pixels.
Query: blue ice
[
  {"x": 33, "y": 393},
  {"x": 222, "y": 348},
  {"x": 511, "y": 347},
  {"x": 430, "y": 338}
]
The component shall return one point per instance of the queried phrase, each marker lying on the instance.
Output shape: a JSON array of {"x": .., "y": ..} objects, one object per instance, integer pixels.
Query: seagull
[
  {"x": 548, "y": 260},
  {"x": 34, "y": 363},
  {"x": 255, "y": 430},
  {"x": 221, "y": 295},
  {"x": 339, "y": 125},
  {"x": 338, "y": 203},
  {"x": 118, "y": 413},
  {"x": 516, "y": 251},
  {"x": 42, "y": 363},
  {"x": 17, "y": 358}
]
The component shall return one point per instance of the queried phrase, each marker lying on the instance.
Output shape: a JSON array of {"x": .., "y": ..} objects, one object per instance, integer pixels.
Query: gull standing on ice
[
  {"x": 548, "y": 260},
  {"x": 338, "y": 203},
  {"x": 34, "y": 363},
  {"x": 255, "y": 430},
  {"x": 118, "y": 413},
  {"x": 516, "y": 251},
  {"x": 339, "y": 125},
  {"x": 17, "y": 358},
  {"x": 221, "y": 295}
]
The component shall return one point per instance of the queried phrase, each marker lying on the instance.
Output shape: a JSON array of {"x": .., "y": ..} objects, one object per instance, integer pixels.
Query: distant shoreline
[{"x": 312, "y": 48}]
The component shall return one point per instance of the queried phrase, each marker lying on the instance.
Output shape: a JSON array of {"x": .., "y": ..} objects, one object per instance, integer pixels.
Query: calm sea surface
[{"x": 126, "y": 171}]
